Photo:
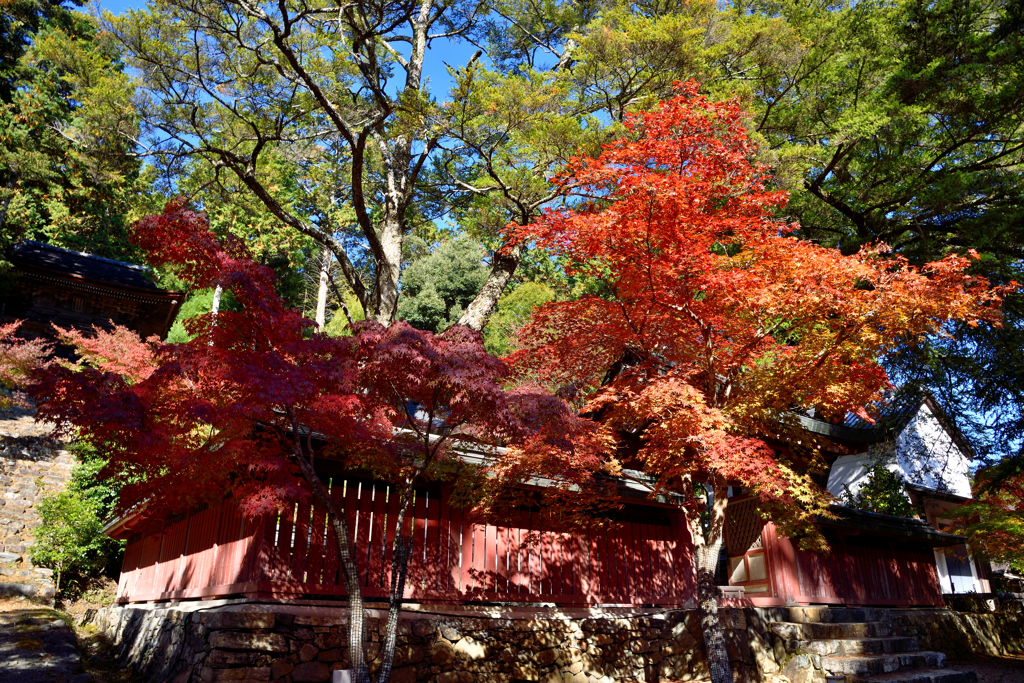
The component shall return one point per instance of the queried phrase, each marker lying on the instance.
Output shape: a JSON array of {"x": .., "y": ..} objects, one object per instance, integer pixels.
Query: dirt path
[
  {"x": 1007, "y": 669},
  {"x": 36, "y": 646}
]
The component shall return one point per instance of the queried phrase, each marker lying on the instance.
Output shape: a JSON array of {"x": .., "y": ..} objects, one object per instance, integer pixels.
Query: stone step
[
  {"x": 854, "y": 646},
  {"x": 815, "y": 615},
  {"x": 873, "y": 665},
  {"x": 832, "y": 631},
  {"x": 919, "y": 676}
]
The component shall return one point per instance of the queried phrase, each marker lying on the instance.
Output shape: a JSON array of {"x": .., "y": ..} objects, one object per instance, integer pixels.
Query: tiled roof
[
  {"x": 78, "y": 264},
  {"x": 891, "y": 415}
]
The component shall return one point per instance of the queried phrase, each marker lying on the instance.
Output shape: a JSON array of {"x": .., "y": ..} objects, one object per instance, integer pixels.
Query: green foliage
[
  {"x": 437, "y": 288},
  {"x": 884, "y": 492},
  {"x": 70, "y": 539},
  {"x": 513, "y": 311},
  {"x": 198, "y": 303},
  {"x": 67, "y": 168}
]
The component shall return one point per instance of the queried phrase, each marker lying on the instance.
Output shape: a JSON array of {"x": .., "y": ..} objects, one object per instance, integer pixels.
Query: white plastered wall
[
  {"x": 852, "y": 470},
  {"x": 928, "y": 456}
]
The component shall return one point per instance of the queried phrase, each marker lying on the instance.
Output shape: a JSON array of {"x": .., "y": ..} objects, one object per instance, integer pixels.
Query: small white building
[{"x": 914, "y": 438}]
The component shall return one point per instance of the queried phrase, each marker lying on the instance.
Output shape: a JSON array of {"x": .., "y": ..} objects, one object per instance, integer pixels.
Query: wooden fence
[
  {"x": 849, "y": 575},
  {"x": 645, "y": 558}
]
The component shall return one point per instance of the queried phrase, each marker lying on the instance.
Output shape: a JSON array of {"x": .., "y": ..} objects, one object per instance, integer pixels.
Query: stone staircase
[{"x": 858, "y": 644}]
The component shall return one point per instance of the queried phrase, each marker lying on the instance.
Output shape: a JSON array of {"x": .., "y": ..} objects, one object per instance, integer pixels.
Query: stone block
[
  {"x": 311, "y": 672},
  {"x": 455, "y": 677},
  {"x": 244, "y": 674},
  {"x": 281, "y": 667},
  {"x": 450, "y": 632},
  {"x": 422, "y": 628},
  {"x": 265, "y": 642},
  {"x": 8, "y": 557},
  {"x": 541, "y": 640},
  {"x": 319, "y": 620},
  {"x": 219, "y": 620},
  {"x": 546, "y": 657},
  {"x": 221, "y": 659},
  {"x": 470, "y": 648},
  {"x": 442, "y": 653},
  {"x": 406, "y": 674},
  {"x": 328, "y": 641},
  {"x": 525, "y": 672},
  {"x": 335, "y": 655},
  {"x": 409, "y": 654},
  {"x": 308, "y": 652}
]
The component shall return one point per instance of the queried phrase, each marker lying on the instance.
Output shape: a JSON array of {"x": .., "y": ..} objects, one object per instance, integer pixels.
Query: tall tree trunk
[
  {"x": 357, "y": 612},
  {"x": 707, "y": 545},
  {"x": 386, "y": 290},
  {"x": 215, "y": 308},
  {"x": 399, "y": 566},
  {"x": 321, "y": 292},
  {"x": 504, "y": 266}
]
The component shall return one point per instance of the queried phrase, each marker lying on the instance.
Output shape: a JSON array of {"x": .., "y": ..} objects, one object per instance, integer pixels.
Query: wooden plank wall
[
  {"x": 528, "y": 559},
  {"x": 850, "y": 575}
]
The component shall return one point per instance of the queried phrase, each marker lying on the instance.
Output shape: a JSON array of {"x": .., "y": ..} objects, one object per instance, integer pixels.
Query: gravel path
[
  {"x": 36, "y": 646},
  {"x": 1008, "y": 669}
]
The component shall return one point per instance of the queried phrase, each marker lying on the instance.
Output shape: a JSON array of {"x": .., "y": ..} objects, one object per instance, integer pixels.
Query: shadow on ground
[{"x": 36, "y": 646}]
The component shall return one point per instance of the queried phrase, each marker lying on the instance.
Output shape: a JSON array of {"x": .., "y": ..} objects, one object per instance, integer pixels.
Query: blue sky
[{"x": 455, "y": 54}]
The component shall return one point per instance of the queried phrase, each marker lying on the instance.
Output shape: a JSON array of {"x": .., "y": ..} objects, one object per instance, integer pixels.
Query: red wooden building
[
  {"x": 75, "y": 290},
  {"x": 645, "y": 558}
]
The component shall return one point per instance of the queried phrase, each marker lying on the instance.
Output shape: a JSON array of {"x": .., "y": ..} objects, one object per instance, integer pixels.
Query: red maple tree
[
  {"x": 19, "y": 359},
  {"x": 711, "y": 322},
  {"x": 258, "y": 394}
]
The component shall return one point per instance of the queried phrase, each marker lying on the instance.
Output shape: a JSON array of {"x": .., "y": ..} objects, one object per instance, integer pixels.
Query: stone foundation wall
[
  {"x": 296, "y": 644},
  {"x": 30, "y": 466},
  {"x": 962, "y": 634}
]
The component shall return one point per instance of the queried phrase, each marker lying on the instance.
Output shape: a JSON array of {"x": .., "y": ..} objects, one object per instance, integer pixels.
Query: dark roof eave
[
  {"x": 939, "y": 495},
  {"x": 889, "y": 526}
]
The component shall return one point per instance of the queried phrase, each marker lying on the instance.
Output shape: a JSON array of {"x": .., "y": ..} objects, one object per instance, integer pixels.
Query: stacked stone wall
[
  {"x": 962, "y": 635},
  {"x": 31, "y": 465},
  {"x": 292, "y": 644}
]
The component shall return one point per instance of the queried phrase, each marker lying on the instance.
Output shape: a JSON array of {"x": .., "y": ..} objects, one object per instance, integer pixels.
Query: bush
[
  {"x": 70, "y": 539},
  {"x": 884, "y": 492}
]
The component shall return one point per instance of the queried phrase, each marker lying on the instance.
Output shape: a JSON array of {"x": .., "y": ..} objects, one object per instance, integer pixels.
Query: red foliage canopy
[
  {"x": 715, "y": 321},
  {"x": 231, "y": 410}
]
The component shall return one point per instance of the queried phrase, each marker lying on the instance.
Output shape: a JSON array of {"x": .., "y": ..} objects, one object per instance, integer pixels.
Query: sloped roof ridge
[{"x": 84, "y": 254}]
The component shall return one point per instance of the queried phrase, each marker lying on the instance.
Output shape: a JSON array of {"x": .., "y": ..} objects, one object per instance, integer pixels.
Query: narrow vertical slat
[
  {"x": 469, "y": 533},
  {"x": 516, "y": 579},
  {"x": 375, "y": 574},
  {"x": 447, "y": 560},
  {"x": 597, "y": 583},
  {"x": 363, "y": 550},
  {"x": 300, "y": 545},
  {"x": 532, "y": 545},
  {"x": 317, "y": 555},
  {"x": 435, "y": 567},
  {"x": 568, "y": 561},
  {"x": 390, "y": 530},
  {"x": 657, "y": 556},
  {"x": 329, "y": 575},
  {"x": 284, "y": 543},
  {"x": 417, "y": 565},
  {"x": 624, "y": 538},
  {"x": 490, "y": 565},
  {"x": 547, "y": 578},
  {"x": 357, "y": 504},
  {"x": 502, "y": 569}
]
